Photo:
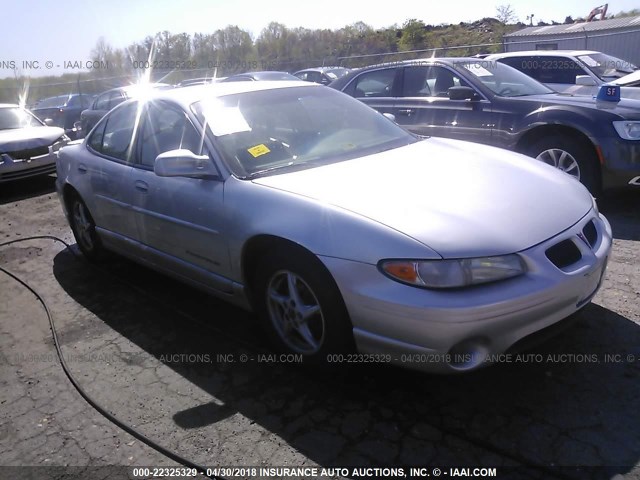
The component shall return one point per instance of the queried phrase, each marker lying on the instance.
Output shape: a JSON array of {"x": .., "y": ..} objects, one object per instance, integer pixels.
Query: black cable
[
  {"x": 124, "y": 426},
  {"x": 168, "y": 453}
]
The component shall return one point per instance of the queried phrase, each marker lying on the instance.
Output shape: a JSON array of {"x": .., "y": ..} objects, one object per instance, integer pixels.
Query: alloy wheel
[
  {"x": 84, "y": 225},
  {"x": 562, "y": 160},
  {"x": 295, "y": 312}
]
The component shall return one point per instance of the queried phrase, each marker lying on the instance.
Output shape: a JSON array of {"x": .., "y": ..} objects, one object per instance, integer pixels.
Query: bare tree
[{"x": 506, "y": 14}]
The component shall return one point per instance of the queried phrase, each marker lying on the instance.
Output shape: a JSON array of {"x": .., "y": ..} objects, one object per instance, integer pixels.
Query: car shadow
[
  {"x": 571, "y": 401},
  {"x": 622, "y": 209},
  {"x": 24, "y": 188}
]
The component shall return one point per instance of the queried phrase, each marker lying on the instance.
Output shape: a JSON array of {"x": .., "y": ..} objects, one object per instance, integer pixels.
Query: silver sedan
[
  {"x": 340, "y": 229},
  {"x": 28, "y": 147}
]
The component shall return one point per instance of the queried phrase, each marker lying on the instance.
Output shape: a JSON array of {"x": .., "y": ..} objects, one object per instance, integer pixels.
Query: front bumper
[
  {"x": 450, "y": 331},
  {"x": 14, "y": 169}
]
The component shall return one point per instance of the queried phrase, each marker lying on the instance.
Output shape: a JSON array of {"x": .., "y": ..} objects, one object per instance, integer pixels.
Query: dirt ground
[{"x": 166, "y": 359}]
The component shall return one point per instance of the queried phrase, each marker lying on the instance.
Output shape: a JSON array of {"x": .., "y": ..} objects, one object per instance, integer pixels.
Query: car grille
[
  {"x": 28, "y": 153},
  {"x": 590, "y": 233},
  {"x": 566, "y": 252}
]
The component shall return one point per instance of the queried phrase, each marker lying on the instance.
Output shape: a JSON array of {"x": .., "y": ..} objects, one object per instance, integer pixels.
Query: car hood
[
  {"x": 627, "y": 79},
  {"x": 32, "y": 137},
  {"x": 458, "y": 198},
  {"x": 626, "y": 107}
]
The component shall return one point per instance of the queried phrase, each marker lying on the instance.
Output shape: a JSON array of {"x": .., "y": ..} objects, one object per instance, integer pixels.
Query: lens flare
[
  {"x": 23, "y": 93},
  {"x": 144, "y": 82}
]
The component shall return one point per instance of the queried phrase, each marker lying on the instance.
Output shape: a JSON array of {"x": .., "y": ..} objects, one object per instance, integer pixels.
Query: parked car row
[
  {"x": 479, "y": 100},
  {"x": 398, "y": 240}
]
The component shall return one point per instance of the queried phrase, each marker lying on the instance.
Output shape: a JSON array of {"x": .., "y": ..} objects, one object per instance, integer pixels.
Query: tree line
[{"x": 229, "y": 50}]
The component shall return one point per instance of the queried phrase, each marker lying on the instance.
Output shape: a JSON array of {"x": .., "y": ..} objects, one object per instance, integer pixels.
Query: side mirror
[
  {"x": 184, "y": 163},
  {"x": 462, "y": 93},
  {"x": 390, "y": 116},
  {"x": 585, "y": 80},
  {"x": 48, "y": 122}
]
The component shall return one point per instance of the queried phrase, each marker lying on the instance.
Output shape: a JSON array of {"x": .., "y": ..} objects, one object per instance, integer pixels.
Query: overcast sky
[{"x": 47, "y": 30}]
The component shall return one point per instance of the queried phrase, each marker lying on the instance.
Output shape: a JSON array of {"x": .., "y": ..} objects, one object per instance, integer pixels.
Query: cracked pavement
[{"x": 157, "y": 354}]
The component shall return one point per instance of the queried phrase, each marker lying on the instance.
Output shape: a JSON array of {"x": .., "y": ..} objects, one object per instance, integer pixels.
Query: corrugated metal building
[{"x": 619, "y": 37}]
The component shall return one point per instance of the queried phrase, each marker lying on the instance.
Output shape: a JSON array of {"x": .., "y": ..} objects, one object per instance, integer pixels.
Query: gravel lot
[{"x": 157, "y": 355}]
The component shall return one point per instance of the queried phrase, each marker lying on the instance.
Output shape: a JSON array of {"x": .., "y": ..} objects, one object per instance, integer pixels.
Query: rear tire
[
  {"x": 84, "y": 229},
  {"x": 571, "y": 155},
  {"x": 301, "y": 308}
]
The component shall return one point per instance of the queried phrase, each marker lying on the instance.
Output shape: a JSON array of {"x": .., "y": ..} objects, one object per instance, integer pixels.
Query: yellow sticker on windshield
[{"x": 258, "y": 150}]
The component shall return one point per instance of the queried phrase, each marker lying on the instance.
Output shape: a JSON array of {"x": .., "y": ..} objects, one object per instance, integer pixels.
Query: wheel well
[
  {"x": 547, "y": 130},
  {"x": 258, "y": 246},
  {"x": 68, "y": 192}
]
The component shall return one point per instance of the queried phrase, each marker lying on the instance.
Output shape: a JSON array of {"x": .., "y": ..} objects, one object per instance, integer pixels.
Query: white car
[
  {"x": 28, "y": 147},
  {"x": 578, "y": 72}
]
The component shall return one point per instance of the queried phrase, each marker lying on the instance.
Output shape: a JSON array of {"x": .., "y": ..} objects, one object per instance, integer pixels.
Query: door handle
[
  {"x": 406, "y": 111},
  {"x": 142, "y": 186},
  {"x": 82, "y": 168}
]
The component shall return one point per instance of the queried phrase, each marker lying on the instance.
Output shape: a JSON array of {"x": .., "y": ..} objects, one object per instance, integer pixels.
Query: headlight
[
  {"x": 628, "y": 130},
  {"x": 453, "y": 273}
]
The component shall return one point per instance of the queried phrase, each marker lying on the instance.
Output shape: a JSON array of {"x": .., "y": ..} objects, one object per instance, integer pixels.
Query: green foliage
[{"x": 413, "y": 35}]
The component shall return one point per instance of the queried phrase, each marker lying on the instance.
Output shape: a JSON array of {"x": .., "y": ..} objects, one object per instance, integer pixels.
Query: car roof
[
  {"x": 185, "y": 96},
  {"x": 321, "y": 69},
  {"x": 543, "y": 53},
  {"x": 136, "y": 86},
  {"x": 259, "y": 75},
  {"x": 419, "y": 61}
]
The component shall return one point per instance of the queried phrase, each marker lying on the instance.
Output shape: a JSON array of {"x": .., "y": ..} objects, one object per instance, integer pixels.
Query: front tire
[
  {"x": 301, "y": 307},
  {"x": 571, "y": 155},
  {"x": 84, "y": 229}
]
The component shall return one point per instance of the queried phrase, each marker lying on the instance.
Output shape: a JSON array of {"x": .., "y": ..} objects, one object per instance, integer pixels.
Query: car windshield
[
  {"x": 12, "y": 118},
  {"x": 607, "y": 67},
  {"x": 293, "y": 128},
  {"x": 336, "y": 72},
  {"x": 503, "y": 80}
]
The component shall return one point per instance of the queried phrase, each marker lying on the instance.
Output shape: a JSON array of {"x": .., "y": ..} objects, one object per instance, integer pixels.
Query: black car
[
  {"x": 62, "y": 111},
  {"x": 598, "y": 142},
  {"x": 109, "y": 99}
]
